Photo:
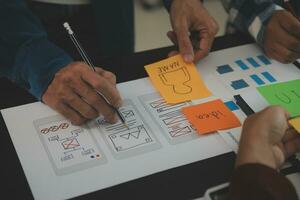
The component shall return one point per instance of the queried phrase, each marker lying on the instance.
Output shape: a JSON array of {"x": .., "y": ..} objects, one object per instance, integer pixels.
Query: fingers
[
  {"x": 70, "y": 114},
  {"x": 201, "y": 45},
  {"x": 96, "y": 101},
  {"x": 103, "y": 86},
  {"x": 292, "y": 146},
  {"x": 282, "y": 37},
  {"x": 75, "y": 93},
  {"x": 290, "y": 134},
  {"x": 172, "y": 36},
  {"x": 205, "y": 45},
  {"x": 106, "y": 74},
  {"x": 290, "y": 23},
  {"x": 282, "y": 54},
  {"x": 184, "y": 43}
]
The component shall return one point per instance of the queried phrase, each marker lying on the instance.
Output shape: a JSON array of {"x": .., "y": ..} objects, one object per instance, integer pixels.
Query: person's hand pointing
[{"x": 194, "y": 29}]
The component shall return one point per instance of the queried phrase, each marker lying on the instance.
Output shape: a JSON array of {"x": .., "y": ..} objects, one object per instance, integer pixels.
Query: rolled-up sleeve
[
  {"x": 250, "y": 16},
  {"x": 28, "y": 58}
]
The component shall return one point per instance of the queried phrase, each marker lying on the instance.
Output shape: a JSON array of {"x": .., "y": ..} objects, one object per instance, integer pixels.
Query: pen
[
  {"x": 288, "y": 6},
  {"x": 88, "y": 61}
]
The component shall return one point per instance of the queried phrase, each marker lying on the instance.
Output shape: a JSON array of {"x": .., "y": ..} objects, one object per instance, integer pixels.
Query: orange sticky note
[
  {"x": 295, "y": 123},
  {"x": 211, "y": 116},
  {"x": 176, "y": 80}
]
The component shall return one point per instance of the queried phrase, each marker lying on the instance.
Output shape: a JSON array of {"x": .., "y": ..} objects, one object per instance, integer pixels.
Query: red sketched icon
[
  {"x": 70, "y": 143},
  {"x": 55, "y": 128}
]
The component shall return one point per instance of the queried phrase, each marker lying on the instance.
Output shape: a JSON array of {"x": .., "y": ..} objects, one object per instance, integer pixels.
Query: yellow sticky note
[
  {"x": 295, "y": 123},
  {"x": 176, "y": 80}
]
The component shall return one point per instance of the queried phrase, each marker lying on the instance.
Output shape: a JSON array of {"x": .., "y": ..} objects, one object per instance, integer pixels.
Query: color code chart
[{"x": 247, "y": 72}]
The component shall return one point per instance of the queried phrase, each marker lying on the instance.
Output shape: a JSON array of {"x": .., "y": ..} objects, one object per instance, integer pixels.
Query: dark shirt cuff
[{"x": 37, "y": 63}]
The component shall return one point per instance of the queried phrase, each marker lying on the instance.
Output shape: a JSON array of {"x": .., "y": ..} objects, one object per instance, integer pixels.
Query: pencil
[{"x": 88, "y": 61}]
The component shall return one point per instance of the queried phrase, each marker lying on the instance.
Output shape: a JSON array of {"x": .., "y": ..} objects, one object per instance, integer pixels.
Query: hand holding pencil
[{"x": 81, "y": 92}]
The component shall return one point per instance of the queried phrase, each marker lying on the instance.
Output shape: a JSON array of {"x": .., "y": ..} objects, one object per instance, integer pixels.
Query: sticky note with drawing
[
  {"x": 286, "y": 94},
  {"x": 176, "y": 80},
  {"x": 211, "y": 116},
  {"x": 295, "y": 123}
]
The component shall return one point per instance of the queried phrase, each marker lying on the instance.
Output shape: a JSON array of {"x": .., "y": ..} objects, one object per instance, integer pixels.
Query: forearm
[{"x": 28, "y": 58}]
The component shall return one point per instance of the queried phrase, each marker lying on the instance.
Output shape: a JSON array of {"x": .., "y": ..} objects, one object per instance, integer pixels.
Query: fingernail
[
  {"x": 188, "y": 58},
  {"x": 119, "y": 103},
  {"x": 114, "y": 119}
]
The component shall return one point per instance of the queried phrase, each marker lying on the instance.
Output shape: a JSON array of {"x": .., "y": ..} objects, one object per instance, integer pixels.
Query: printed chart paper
[{"x": 176, "y": 80}]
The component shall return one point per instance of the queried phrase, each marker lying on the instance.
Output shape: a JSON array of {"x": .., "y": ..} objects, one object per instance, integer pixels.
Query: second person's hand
[
  {"x": 74, "y": 93},
  {"x": 190, "y": 18},
  {"x": 282, "y": 37},
  {"x": 267, "y": 138}
]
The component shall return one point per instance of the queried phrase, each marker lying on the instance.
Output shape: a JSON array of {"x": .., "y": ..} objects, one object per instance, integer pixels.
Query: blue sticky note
[
  {"x": 264, "y": 59},
  {"x": 253, "y": 62},
  {"x": 241, "y": 64},
  {"x": 239, "y": 84},
  {"x": 258, "y": 80},
  {"x": 231, "y": 105},
  {"x": 224, "y": 69},
  {"x": 269, "y": 77}
]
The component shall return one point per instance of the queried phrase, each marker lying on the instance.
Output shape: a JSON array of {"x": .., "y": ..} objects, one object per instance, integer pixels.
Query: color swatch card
[
  {"x": 176, "y": 80},
  {"x": 211, "y": 116},
  {"x": 295, "y": 123},
  {"x": 286, "y": 94}
]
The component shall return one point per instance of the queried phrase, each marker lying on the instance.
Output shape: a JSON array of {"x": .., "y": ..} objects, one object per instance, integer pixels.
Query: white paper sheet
[{"x": 63, "y": 161}]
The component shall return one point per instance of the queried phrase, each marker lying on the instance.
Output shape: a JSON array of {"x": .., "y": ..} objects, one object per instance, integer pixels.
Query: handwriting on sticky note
[
  {"x": 211, "y": 116},
  {"x": 176, "y": 80},
  {"x": 286, "y": 94},
  {"x": 295, "y": 123}
]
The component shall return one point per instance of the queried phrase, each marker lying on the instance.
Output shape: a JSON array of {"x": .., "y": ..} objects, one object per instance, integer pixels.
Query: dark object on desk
[{"x": 243, "y": 105}]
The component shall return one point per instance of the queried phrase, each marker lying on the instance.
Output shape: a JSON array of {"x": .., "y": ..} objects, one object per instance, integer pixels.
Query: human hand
[
  {"x": 282, "y": 37},
  {"x": 73, "y": 93},
  {"x": 267, "y": 138},
  {"x": 190, "y": 19}
]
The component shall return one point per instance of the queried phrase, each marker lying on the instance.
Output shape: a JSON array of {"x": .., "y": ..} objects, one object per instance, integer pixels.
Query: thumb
[{"x": 184, "y": 43}]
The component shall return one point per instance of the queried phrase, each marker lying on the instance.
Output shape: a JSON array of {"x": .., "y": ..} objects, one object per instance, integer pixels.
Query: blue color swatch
[
  {"x": 253, "y": 62},
  {"x": 264, "y": 59},
  {"x": 231, "y": 105},
  {"x": 258, "y": 80},
  {"x": 224, "y": 69},
  {"x": 241, "y": 64},
  {"x": 269, "y": 77},
  {"x": 239, "y": 84}
]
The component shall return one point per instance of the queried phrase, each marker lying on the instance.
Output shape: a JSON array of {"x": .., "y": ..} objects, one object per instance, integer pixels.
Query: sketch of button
[
  {"x": 180, "y": 131},
  {"x": 128, "y": 113}
]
